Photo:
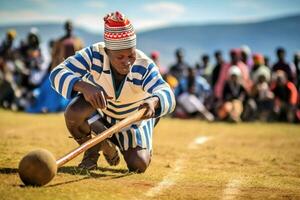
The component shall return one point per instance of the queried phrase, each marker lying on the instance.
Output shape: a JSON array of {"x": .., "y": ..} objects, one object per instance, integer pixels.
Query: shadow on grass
[
  {"x": 116, "y": 173},
  {"x": 107, "y": 169},
  {"x": 7, "y": 170},
  {"x": 78, "y": 171}
]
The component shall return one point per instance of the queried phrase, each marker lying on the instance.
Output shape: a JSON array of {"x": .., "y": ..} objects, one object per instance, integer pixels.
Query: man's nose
[{"x": 126, "y": 62}]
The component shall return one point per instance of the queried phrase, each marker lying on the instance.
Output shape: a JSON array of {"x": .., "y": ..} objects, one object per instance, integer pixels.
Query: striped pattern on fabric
[
  {"x": 143, "y": 81},
  {"x": 121, "y": 44},
  {"x": 135, "y": 135}
]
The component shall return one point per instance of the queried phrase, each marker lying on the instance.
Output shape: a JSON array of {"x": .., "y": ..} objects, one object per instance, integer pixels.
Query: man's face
[
  {"x": 69, "y": 28},
  {"x": 281, "y": 55},
  {"x": 281, "y": 81},
  {"x": 234, "y": 78},
  {"x": 122, "y": 60},
  {"x": 234, "y": 58}
]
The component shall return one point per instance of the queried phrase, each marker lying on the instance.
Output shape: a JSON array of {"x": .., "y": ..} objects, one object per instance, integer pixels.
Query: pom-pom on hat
[{"x": 118, "y": 32}]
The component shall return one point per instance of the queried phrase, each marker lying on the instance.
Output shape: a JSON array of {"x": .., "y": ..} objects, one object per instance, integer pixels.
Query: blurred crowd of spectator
[
  {"x": 245, "y": 88},
  {"x": 24, "y": 78}
]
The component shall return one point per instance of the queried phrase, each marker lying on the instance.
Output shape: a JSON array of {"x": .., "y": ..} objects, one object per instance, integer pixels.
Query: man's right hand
[{"x": 92, "y": 94}]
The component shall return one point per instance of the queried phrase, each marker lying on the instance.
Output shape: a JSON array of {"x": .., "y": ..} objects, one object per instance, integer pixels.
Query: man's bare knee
[
  {"x": 78, "y": 111},
  {"x": 137, "y": 159},
  {"x": 75, "y": 117},
  {"x": 138, "y": 165}
]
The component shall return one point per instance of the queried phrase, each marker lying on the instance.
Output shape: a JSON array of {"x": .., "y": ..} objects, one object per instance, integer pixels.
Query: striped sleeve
[
  {"x": 65, "y": 75},
  {"x": 154, "y": 84}
]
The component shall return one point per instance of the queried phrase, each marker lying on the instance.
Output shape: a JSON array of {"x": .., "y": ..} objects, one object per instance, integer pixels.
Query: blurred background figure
[
  {"x": 65, "y": 46},
  {"x": 246, "y": 56},
  {"x": 258, "y": 63},
  {"x": 155, "y": 57},
  {"x": 32, "y": 58},
  {"x": 261, "y": 95},
  {"x": 234, "y": 94},
  {"x": 7, "y": 55},
  {"x": 296, "y": 64},
  {"x": 191, "y": 94},
  {"x": 217, "y": 68},
  {"x": 179, "y": 69},
  {"x": 45, "y": 99},
  {"x": 204, "y": 68},
  {"x": 267, "y": 61},
  {"x": 281, "y": 64},
  {"x": 285, "y": 94},
  {"x": 169, "y": 78},
  {"x": 235, "y": 60},
  {"x": 7, "y": 50}
]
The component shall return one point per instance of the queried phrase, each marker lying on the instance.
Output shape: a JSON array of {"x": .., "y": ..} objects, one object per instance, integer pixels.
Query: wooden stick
[{"x": 99, "y": 138}]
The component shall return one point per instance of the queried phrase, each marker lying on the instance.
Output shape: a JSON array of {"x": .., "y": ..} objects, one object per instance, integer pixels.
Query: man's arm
[
  {"x": 65, "y": 75},
  {"x": 162, "y": 99},
  {"x": 92, "y": 94}
]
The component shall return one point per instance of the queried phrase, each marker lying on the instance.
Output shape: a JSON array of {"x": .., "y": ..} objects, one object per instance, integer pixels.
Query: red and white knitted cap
[{"x": 118, "y": 32}]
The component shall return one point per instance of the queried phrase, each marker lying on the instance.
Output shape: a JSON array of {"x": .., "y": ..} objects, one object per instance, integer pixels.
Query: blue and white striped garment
[{"x": 92, "y": 65}]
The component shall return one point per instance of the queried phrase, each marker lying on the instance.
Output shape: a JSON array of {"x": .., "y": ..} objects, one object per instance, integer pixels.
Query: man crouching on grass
[{"x": 108, "y": 82}]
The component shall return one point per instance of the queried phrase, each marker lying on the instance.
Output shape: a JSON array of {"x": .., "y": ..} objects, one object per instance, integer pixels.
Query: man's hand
[
  {"x": 92, "y": 94},
  {"x": 150, "y": 104}
]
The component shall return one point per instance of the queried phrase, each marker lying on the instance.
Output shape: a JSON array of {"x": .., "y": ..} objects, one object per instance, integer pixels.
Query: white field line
[
  {"x": 198, "y": 141},
  {"x": 232, "y": 189},
  {"x": 171, "y": 178}
]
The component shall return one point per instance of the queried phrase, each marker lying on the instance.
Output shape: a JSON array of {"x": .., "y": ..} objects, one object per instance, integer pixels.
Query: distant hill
[
  {"x": 197, "y": 39},
  {"x": 262, "y": 36}
]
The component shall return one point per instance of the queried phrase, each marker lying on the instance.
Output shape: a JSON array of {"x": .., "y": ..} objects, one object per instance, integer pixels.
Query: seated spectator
[
  {"x": 258, "y": 60},
  {"x": 235, "y": 56},
  {"x": 262, "y": 94},
  {"x": 7, "y": 55},
  {"x": 286, "y": 96},
  {"x": 33, "y": 60},
  {"x": 233, "y": 96},
  {"x": 45, "y": 98},
  {"x": 204, "y": 68},
  {"x": 191, "y": 94}
]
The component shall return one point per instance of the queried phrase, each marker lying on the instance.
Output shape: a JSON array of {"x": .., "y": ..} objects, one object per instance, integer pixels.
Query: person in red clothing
[
  {"x": 235, "y": 57},
  {"x": 286, "y": 96},
  {"x": 234, "y": 94}
]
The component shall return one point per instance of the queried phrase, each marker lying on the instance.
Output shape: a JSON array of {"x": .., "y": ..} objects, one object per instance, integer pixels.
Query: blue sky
[{"x": 144, "y": 14}]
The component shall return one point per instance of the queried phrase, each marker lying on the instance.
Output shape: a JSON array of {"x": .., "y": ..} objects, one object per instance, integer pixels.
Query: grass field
[{"x": 192, "y": 160}]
